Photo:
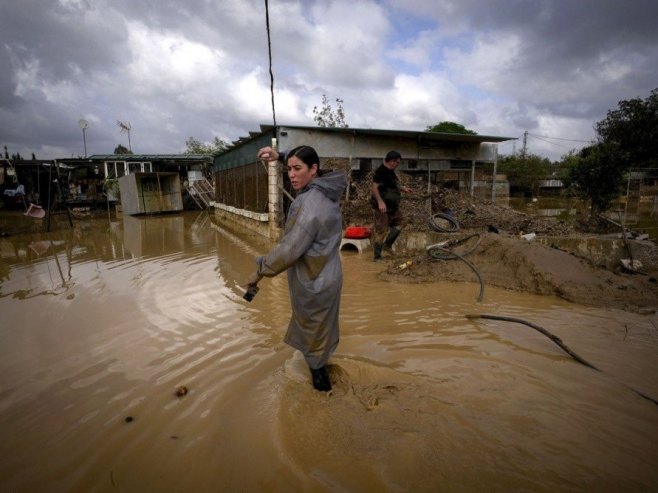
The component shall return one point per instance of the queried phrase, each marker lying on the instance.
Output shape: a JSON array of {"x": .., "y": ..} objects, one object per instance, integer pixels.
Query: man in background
[{"x": 385, "y": 202}]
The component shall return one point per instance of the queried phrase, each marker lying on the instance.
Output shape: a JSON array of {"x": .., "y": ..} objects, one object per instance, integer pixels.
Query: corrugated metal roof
[
  {"x": 424, "y": 136},
  {"x": 437, "y": 136}
]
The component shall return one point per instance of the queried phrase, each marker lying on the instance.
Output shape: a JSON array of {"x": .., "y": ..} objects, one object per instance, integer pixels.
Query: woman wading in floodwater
[{"x": 309, "y": 251}]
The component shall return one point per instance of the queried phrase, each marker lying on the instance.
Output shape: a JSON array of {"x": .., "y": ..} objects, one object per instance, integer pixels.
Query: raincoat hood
[{"x": 332, "y": 184}]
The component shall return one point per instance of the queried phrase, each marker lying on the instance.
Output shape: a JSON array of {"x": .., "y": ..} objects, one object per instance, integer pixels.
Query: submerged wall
[{"x": 254, "y": 221}]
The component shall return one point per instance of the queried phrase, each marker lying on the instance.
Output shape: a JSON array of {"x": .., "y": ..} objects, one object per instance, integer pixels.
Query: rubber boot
[
  {"x": 393, "y": 234},
  {"x": 321, "y": 380},
  {"x": 378, "y": 251}
]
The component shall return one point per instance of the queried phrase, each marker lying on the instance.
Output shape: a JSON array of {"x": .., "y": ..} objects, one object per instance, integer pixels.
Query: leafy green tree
[
  {"x": 565, "y": 165},
  {"x": 525, "y": 171},
  {"x": 595, "y": 174},
  {"x": 628, "y": 137},
  {"x": 633, "y": 129},
  {"x": 327, "y": 116},
  {"x": 194, "y": 146},
  {"x": 450, "y": 128},
  {"x": 122, "y": 150}
]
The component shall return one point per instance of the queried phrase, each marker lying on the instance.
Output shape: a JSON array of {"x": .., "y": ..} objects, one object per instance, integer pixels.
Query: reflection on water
[
  {"x": 101, "y": 323},
  {"x": 564, "y": 208},
  {"x": 641, "y": 217},
  {"x": 153, "y": 235}
]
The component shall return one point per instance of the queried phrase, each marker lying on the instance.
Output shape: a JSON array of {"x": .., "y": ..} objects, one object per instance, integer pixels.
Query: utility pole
[
  {"x": 525, "y": 144},
  {"x": 84, "y": 124}
]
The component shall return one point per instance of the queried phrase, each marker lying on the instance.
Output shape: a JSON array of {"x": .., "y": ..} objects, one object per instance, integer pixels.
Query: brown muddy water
[{"x": 102, "y": 323}]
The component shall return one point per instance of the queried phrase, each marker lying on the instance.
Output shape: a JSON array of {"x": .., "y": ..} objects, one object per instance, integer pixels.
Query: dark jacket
[{"x": 389, "y": 188}]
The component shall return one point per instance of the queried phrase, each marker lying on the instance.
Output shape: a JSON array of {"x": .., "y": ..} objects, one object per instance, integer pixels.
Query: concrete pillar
[
  {"x": 472, "y": 177},
  {"x": 495, "y": 172}
]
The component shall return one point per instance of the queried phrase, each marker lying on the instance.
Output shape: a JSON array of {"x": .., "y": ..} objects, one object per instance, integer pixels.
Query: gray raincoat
[{"x": 309, "y": 250}]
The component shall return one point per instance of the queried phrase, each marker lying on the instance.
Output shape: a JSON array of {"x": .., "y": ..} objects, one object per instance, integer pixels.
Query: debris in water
[{"x": 181, "y": 391}]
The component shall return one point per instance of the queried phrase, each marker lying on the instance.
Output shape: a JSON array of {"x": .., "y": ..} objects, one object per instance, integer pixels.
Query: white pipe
[{"x": 274, "y": 196}]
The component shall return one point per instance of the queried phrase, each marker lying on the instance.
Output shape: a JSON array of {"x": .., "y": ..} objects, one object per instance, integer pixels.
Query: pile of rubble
[{"x": 471, "y": 213}]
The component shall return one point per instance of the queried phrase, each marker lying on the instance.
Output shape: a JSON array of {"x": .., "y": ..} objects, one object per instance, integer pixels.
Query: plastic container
[
  {"x": 406, "y": 265},
  {"x": 357, "y": 232}
]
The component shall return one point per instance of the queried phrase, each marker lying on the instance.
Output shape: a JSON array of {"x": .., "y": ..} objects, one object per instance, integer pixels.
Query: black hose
[
  {"x": 552, "y": 337},
  {"x": 557, "y": 341},
  {"x": 452, "y": 226},
  {"x": 437, "y": 254},
  {"x": 450, "y": 255}
]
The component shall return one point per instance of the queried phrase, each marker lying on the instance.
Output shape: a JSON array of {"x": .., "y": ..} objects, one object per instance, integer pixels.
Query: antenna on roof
[{"x": 125, "y": 127}]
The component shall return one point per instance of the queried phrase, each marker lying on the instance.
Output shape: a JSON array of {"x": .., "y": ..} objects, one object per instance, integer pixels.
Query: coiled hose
[{"x": 443, "y": 223}]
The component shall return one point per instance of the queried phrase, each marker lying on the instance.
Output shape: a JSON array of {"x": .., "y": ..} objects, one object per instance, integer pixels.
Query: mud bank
[{"x": 554, "y": 269}]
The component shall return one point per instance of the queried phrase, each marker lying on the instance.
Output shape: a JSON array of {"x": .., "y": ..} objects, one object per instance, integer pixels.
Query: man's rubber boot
[
  {"x": 321, "y": 380},
  {"x": 393, "y": 234},
  {"x": 378, "y": 251}
]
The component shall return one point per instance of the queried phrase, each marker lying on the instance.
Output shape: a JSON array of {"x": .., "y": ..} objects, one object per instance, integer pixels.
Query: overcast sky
[{"x": 175, "y": 69}]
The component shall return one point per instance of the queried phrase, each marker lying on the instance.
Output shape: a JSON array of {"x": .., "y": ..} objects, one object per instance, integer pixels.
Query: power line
[
  {"x": 557, "y": 138},
  {"x": 549, "y": 142}
]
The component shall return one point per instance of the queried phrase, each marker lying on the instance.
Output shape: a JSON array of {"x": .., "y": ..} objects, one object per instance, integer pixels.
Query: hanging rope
[{"x": 269, "y": 50}]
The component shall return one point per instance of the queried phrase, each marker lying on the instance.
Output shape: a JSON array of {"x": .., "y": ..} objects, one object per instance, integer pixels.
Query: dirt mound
[
  {"x": 503, "y": 258},
  {"x": 514, "y": 263}
]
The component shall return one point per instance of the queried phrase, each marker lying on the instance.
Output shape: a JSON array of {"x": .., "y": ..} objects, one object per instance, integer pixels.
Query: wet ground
[{"x": 103, "y": 322}]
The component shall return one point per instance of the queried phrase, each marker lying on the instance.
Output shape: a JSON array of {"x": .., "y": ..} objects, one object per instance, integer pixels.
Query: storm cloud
[{"x": 199, "y": 68}]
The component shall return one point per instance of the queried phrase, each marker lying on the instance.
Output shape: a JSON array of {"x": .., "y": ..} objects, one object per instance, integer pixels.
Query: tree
[
  {"x": 122, "y": 150},
  {"x": 596, "y": 174},
  {"x": 525, "y": 172},
  {"x": 327, "y": 116},
  {"x": 194, "y": 146},
  {"x": 633, "y": 129},
  {"x": 450, "y": 128},
  {"x": 628, "y": 137}
]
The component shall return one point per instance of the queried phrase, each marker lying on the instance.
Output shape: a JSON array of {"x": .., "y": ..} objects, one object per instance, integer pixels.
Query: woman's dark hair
[{"x": 305, "y": 154}]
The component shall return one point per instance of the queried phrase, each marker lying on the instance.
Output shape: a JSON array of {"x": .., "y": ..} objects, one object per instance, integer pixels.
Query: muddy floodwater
[{"x": 100, "y": 324}]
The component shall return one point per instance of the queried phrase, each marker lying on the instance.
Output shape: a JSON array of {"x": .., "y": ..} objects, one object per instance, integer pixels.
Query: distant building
[
  {"x": 81, "y": 180},
  {"x": 466, "y": 162}
]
